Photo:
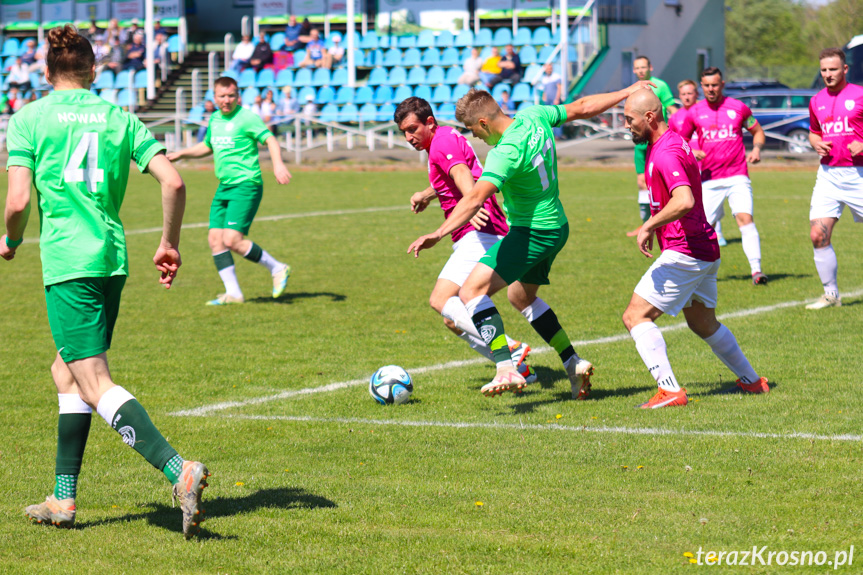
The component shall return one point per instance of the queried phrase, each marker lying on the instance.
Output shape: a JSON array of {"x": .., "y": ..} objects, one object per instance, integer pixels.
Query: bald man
[{"x": 683, "y": 277}]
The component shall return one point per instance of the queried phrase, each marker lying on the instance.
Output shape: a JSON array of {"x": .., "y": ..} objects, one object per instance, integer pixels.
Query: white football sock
[
  {"x": 828, "y": 268},
  {"x": 455, "y": 311},
  {"x": 477, "y": 344},
  {"x": 535, "y": 310},
  {"x": 654, "y": 354},
  {"x": 271, "y": 263},
  {"x": 751, "y": 245},
  {"x": 111, "y": 402},
  {"x": 724, "y": 345},
  {"x": 229, "y": 278}
]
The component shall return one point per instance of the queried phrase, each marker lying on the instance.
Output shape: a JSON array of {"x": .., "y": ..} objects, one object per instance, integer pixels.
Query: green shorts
[
  {"x": 526, "y": 254},
  {"x": 234, "y": 206},
  {"x": 82, "y": 313},
  {"x": 640, "y": 157}
]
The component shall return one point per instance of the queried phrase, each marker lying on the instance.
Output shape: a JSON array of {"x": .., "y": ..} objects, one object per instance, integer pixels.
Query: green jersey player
[
  {"x": 523, "y": 167},
  {"x": 233, "y": 135},
  {"x": 76, "y": 148}
]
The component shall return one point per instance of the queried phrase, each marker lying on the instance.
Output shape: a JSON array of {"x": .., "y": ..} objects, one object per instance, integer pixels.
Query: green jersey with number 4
[
  {"x": 234, "y": 140},
  {"x": 78, "y": 147},
  {"x": 523, "y": 166}
]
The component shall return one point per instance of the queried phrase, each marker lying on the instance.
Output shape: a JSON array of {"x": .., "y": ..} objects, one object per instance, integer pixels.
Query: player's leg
[
  {"x": 741, "y": 204},
  {"x": 221, "y": 253},
  {"x": 821, "y": 234},
  {"x": 825, "y": 210},
  {"x": 444, "y": 300}
]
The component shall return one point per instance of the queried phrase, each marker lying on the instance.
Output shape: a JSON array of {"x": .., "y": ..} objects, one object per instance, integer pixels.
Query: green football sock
[
  {"x": 644, "y": 211},
  {"x": 173, "y": 469},
  {"x": 489, "y": 324},
  {"x": 65, "y": 486},
  {"x": 549, "y": 329},
  {"x": 73, "y": 427}
]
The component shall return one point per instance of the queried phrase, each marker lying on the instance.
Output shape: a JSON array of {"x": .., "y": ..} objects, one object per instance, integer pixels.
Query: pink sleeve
[
  {"x": 814, "y": 124},
  {"x": 687, "y": 128},
  {"x": 673, "y": 171}
]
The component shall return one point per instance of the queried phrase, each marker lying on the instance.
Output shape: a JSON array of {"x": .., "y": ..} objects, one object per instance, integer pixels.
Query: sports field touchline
[
  {"x": 208, "y": 409},
  {"x": 552, "y": 427}
]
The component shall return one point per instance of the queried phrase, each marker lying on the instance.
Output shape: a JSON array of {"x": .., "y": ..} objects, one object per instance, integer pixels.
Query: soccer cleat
[
  {"x": 826, "y": 301},
  {"x": 759, "y": 279},
  {"x": 526, "y": 372},
  {"x": 59, "y": 512},
  {"x": 579, "y": 373},
  {"x": 280, "y": 281},
  {"x": 519, "y": 352},
  {"x": 225, "y": 299},
  {"x": 507, "y": 379},
  {"x": 759, "y": 386},
  {"x": 665, "y": 398},
  {"x": 188, "y": 490}
]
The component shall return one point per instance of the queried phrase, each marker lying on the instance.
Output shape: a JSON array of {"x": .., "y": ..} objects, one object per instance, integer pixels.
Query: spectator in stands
[
  {"x": 19, "y": 75},
  {"x": 505, "y": 103},
  {"x": 292, "y": 34},
  {"x": 305, "y": 33},
  {"x": 127, "y": 36},
  {"x": 92, "y": 32},
  {"x": 552, "y": 86},
  {"x": 118, "y": 55},
  {"x": 336, "y": 51},
  {"x": 310, "y": 110},
  {"x": 289, "y": 106},
  {"x": 30, "y": 54},
  {"x": 209, "y": 108},
  {"x": 136, "y": 54},
  {"x": 316, "y": 53},
  {"x": 14, "y": 100},
  {"x": 490, "y": 71},
  {"x": 113, "y": 31},
  {"x": 160, "y": 41},
  {"x": 4, "y": 109},
  {"x": 471, "y": 68},
  {"x": 159, "y": 29},
  {"x": 102, "y": 52},
  {"x": 262, "y": 55},
  {"x": 268, "y": 108},
  {"x": 510, "y": 66},
  {"x": 242, "y": 54},
  {"x": 39, "y": 64}
]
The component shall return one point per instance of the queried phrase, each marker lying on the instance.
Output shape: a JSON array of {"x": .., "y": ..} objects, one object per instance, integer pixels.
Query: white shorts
[
  {"x": 675, "y": 279},
  {"x": 466, "y": 253},
  {"x": 835, "y": 188},
  {"x": 738, "y": 190}
]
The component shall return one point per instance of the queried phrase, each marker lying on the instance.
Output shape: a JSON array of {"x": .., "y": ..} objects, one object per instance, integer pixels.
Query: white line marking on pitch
[
  {"x": 206, "y": 409},
  {"x": 276, "y": 218},
  {"x": 552, "y": 427}
]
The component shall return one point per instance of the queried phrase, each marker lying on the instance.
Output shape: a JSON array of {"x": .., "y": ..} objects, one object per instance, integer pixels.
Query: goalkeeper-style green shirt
[{"x": 234, "y": 141}]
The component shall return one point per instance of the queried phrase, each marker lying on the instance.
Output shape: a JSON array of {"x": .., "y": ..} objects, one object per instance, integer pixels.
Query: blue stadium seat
[
  {"x": 485, "y": 53},
  {"x": 121, "y": 81},
  {"x": 385, "y": 42},
  {"x": 340, "y": 77},
  {"x": 359, "y": 60},
  {"x": 109, "y": 95},
  {"x": 531, "y": 72},
  {"x": 22, "y": 47},
  {"x": 196, "y": 113},
  {"x": 325, "y": 95},
  {"x": 522, "y": 37},
  {"x": 521, "y": 92},
  {"x": 368, "y": 113},
  {"x": 500, "y": 89},
  {"x": 452, "y": 76},
  {"x": 446, "y": 112},
  {"x": 349, "y": 114},
  {"x": 464, "y": 39},
  {"x": 230, "y": 74},
  {"x": 435, "y": 76},
  {"x": 411, "y": 57},
  {"x": 527, "y": 55},
  {"x": 450, "y": 57},
  {"x": 141, "y": 79},
  {"x": 430, "y": 57},
  {"x": 10, "y": 47},
  {"x": 441, "y": 95},
  {"x": 174, "y": 44},
  {"x": 459, "y": 91},
  {"x": 249, "y": 94},
  {"x": 277, "y": 41},
  {"x": 304, "y": 93},
  {"x": 409, "y": 41},
  {"x": 375, "y": 58},
  {"x": 377, "y": 77},
  {"x": 364, "y": 95},
  {"x": 545, "y": 54},
  {"x": 423, "y": 92},
  {"x": 266, "y": 77},
  {"x": 444, "y": 39},
  {"x": 502, "y": 37},
  {"x": 385, "y": 113},
  {"x": 402, "y": 93},
  {"x": 383, "y": 94},
  {"x": 426, "y": 39},
  {"x": 392, "y": 57},
  {"x": 541, "y": 36},
  {"x": 329, "y": 113},
  {"x": 483, "y": 37},
  {"x": 523, "y": 105},
  {"x": 416, "y": 76},
  {"x": 580, "y": 35},
  {"x": 8, "y": 63},
  {"x": 345, "y": 95},
  {"x": 125, "y": 97},
  {"x": 397, "y": 76},
  {"x": 303, "y": 77},
  {"x": 105, "y": 80},
  {"x": 208, "y": 95},
  {"x": 321, "y": 77},
  {"x": 555, "y": 38},
  {"x": 369, "y": 41},
  {"x": 284, "y": 78}
]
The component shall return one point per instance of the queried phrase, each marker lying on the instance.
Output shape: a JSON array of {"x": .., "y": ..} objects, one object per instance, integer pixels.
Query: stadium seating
[
  {"x": 416, "y": 76},
  {"x": 430, "y": 57},
  {"x": 383, "y": 94},
  {"x": 410, "y": 57},
  {"x": 284, "y": 78},
  {"x": 444, "y": 39},
  {"x": 121, "y": 81},
  {"x": 344, "y": 95},
  {"x": 265, "y": 78},
  {"x": 329, "y": 113},
  {"x": 402, "y": 93},
  {"x": 377, "y": 77},
  {"x": 502, "y": 37},
  {"x": 364, "y": 95},
  {"x": 464, "y": 39},
  {"x": 10, "y": 48},
  {"x": 303, "y": 77},
  {"x": 523, "y": 37},
  {"x": 249, "y": 94},
  {"x": 435, "y": 76},
  {"x": 325, "y": 95},
  {"x": 277, "y": 41},
  {"x": 321, "y": 77},
  {"x": 397, "y": 76},
  {"x": 426, "y": 39},
  {"x": 348, "y": 114},
  {"x": 385, "y": 113},
  {"x": 247, "y": 78},
  {"x": 105, "y": 80},
  {"x": 368, "y": 113}
]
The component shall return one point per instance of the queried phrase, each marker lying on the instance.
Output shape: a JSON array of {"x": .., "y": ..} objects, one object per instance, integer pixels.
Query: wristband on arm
[{"x": 12, "y": 244}]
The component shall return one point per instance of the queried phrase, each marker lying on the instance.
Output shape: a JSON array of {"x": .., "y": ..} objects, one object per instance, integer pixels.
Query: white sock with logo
[
  {"x": 455, "y": 311},
  {"x": 111, "y": 402},
  {"x": 477, "y": 344},
  {"x": 725, "y": 346},
  {"x": 751, "y": 245},
  {"x": 651, "y": 347},
  {"x": 828, "y": 268}
]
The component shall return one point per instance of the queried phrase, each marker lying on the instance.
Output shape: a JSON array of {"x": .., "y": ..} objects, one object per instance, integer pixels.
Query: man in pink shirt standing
[
  {"x": 684, "y": 275},
  {"x": 453, "y": 169},
  {"x": 718, "y": 123},
  {"x": 836, "y": 133}
]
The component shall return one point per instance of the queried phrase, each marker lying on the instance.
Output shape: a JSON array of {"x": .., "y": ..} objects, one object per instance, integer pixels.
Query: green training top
[
  {"x": 523, "y": 166},
  {"x": 234, "y": 141},
  {"x": 663, "y": 92},
  {"x": 78, "y": 147}
]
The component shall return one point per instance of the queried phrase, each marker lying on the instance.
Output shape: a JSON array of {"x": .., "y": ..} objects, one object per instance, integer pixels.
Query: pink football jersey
[{"x": 838, "y": 119}]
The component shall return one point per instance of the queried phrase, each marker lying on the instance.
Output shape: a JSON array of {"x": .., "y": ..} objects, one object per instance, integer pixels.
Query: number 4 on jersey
[
  {"x": 539, "y": 163},
  {"x": 88, "y": 147}
]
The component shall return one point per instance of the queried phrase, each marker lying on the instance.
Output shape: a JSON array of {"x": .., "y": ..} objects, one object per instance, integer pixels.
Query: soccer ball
[{"x": 391, "y": 384}]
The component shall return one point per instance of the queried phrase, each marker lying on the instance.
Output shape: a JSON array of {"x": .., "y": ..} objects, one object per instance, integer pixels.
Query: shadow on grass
[
  {"x": 291, "y": 297},
  {"x": 170, "y": 518},
  {"x": 727, "y": 389},
  {"x": 771, "y": 277}
]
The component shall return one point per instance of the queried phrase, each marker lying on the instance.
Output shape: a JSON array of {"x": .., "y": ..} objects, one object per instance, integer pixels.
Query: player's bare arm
[
  {"x": 199, "y": 150},
  {"x": 464, "y": 181},
  {"x": 167, "y": 258},
  {"x": 678, "y": 206},
  {"x": 420, "y": 200},
  {"x": 590, "y": 106},
  {"x": 855, "y": 147},
  {"x": 819, "y": 145},
  {"x": 283, "y": 176},
  {"x": 758, "y": 141},
  {"x": 466, "y": 208},
  {"x": 17, "y": 210}
]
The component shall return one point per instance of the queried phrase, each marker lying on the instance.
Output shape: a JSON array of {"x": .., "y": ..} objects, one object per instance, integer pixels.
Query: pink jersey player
[
  {"x": 838, "y": 119},
  {"x": 676, "y": 122},
  {"x": 719, "y": 130},
  {"x": 449, "y": 148},
  {"x": 670, "y": 164}
]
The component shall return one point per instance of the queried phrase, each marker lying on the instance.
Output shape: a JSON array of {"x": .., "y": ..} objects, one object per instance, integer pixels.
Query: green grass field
[{"x": 452, "y": 482}]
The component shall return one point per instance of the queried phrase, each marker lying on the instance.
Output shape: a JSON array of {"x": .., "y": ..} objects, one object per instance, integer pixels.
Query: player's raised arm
[
  {"x": 167, "y": 258},
  {"x": 591, "y": 106},
  {"x": 199, "y": 150},
  {"x": 283, "y": 176},
  {"x": 17, "y": 210}
]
